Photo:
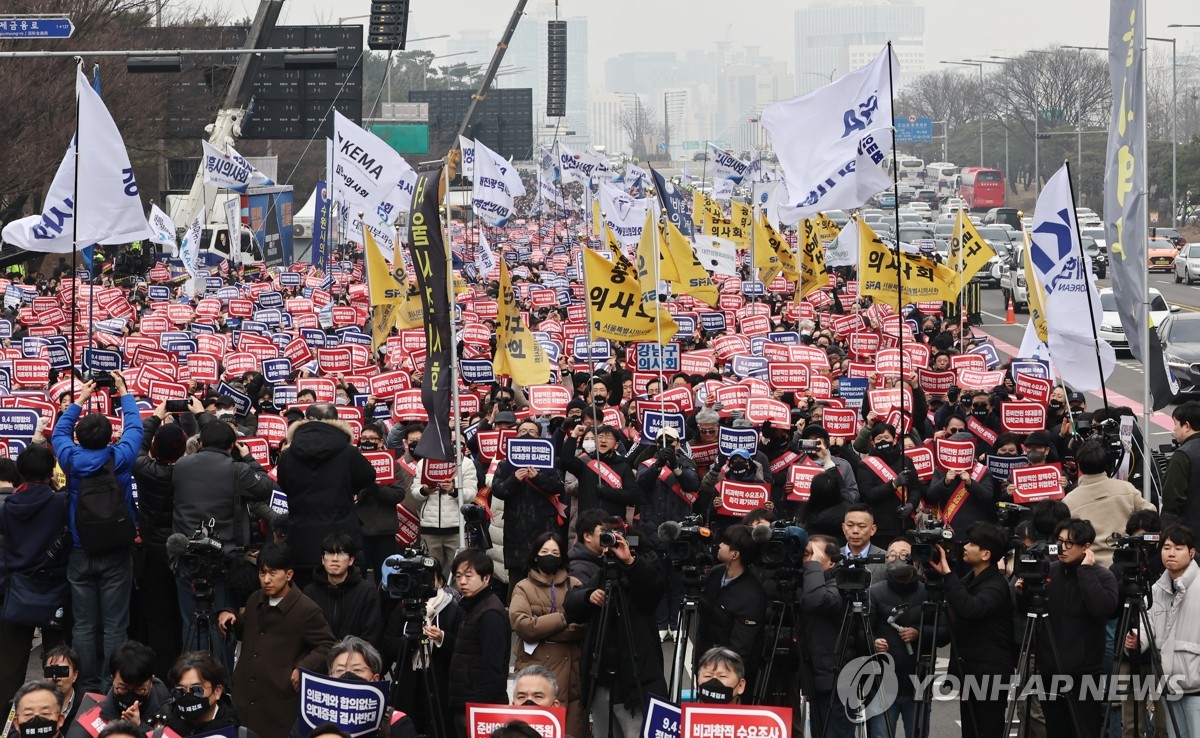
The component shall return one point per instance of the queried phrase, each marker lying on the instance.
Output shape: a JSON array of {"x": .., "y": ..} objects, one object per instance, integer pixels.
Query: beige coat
[
  {"x": 1106, "y": 504},
  {"x": 538, "y": 622}
]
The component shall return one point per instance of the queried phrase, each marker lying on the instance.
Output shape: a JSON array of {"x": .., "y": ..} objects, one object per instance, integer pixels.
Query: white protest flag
[
  {"x": 468, "y": 156},
  {"x": 49, "y": 232},
  {"x": 717, "y": 255},
  {"x": 485, "y": 260},
  {"x": 368, "y": 173},
  {"x": 830, "y": 140},
  {"x": 1065, "y": 273},
  {"x": 578, "y": 166},
  {"x": 844, "y": 249},
  {"x": 504, "y": 168},
  {"x": 547, "y": 192},
  {"x": 233, "y": 221},
  {"x": 722, "y": 189},
  {"x": 230, "y": 170},
  {"x": 623, "y": 214},
  {"x": 109, "y": 205},
  {"x": 162, "y": 227},
  {"x": 491, "y": 199},
  {"x": 189, "y": 251},
  {"x": 726, "y": 165}
]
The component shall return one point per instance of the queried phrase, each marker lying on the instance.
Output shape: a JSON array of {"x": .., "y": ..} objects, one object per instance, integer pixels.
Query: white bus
[
  {"x": 910, "y": 169},
  {"x": 941, "y": 175}
]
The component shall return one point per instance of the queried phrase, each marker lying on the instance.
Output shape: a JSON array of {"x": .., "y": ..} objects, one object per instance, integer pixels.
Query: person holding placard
[
  {"x": 533, "y": 504},
  {"x": 963, "y": 494}
]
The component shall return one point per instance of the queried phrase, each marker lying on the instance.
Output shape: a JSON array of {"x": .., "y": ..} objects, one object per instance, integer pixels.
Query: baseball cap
[
  {"x": 667, "y": 432},
  {"x": 505, "y": 416},
  {"x": 740, "y": 453}
]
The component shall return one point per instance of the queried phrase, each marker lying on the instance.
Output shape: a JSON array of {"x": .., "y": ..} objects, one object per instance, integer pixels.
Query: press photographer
[
  {"x": 821, "y": 608},
  {"x": 622, "y": 654},
  {"x": 1105, "y": 502},
  {"x": 733, "y": 605},
  {"x": 1080, "y": 599},
  {"x": 982, "y": 625}
]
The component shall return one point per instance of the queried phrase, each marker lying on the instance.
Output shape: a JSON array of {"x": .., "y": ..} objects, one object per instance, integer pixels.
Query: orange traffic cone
[{"x": 1010, "y": 318}]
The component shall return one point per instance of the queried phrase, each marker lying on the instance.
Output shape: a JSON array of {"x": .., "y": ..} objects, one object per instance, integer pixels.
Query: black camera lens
[{"x": 608, "y": 539}]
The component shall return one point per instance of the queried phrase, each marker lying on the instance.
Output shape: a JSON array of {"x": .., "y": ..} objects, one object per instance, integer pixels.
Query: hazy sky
[{"x": 954, "y": 29}]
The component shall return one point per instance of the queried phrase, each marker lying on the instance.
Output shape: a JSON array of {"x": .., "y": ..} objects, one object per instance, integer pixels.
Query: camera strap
[
  {"x": 664, "y": 475},
  {"x": 959, "y": 498}
]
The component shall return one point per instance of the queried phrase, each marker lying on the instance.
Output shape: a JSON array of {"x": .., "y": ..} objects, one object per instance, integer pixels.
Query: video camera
[
  {"x": 781, "y": 543},
  {"x": 1132, "y": 555},
  {"x": 102, "y": 379},
  {"x": 200, "y": 558},
  {"x": 851, "y": 573},
  {"x": 409, "y": 576},
  {"x": 687, "y": 540},
  {"x": 931, "y": 533},
  {"x": 1032, "y": 564},
  {"x": 1107, "y": 432},
  {"x": 475, "y": 523}
]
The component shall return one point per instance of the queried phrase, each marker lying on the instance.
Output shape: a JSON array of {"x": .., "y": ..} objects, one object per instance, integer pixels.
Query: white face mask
[
  {"x": 589, "y": 446},
  {"x": 341, "y": 401}
]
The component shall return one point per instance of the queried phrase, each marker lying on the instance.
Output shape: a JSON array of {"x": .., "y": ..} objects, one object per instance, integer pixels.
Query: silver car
[{"x": 1187, "y": 263}]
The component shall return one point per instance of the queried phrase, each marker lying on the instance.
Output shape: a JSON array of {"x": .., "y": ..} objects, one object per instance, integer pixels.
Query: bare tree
[
  {"x": 642, "y": 128},
  {"x": 1062, "y": 87},
  {"x": 945, "y": 95}
]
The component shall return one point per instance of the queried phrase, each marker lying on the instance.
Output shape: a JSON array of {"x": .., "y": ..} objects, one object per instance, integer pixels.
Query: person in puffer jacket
[
  {"x": 350, "y": 603},
  {"x": 440, "y": 513}
]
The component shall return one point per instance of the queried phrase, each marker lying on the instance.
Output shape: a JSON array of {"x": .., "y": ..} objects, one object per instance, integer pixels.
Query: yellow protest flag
[
  {"x": 708, "y": 215},
  {"x": 410, "y": 314},
  {"x": 692, "y": 278},
  {"x": 827, "y": 230},
  {"x": 610, "y": 240},
  {"x": 1036, "y": 297},
  {"x": 766, "y": 251},
  {"x": 813, "y": 274},
  {"x": 616, "y": 310},
  {"x": 383, "y": 286},
  {"x": 383, "y": 319},
  {"x": 741, "y": 221},
  {"x": 518, "y": 353},
  {"x": 898, "y": 282},
  {"x": 597, "y": 221},
  {"x": 648, "y": 245},
  {"x": 968, "y": 252}
]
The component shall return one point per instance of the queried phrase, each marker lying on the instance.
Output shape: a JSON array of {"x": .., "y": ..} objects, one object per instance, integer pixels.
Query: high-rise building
[{"x": 834, "y": 37}]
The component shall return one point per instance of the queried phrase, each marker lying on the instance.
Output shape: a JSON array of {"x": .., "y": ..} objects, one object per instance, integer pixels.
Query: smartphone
[{"x": 177, "y": 406}]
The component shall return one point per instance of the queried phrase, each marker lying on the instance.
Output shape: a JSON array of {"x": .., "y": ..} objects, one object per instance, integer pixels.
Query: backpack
[{"x": 102, "y": 518}]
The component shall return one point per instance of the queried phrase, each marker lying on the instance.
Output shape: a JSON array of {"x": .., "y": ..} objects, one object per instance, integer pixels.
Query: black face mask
[
  {"x": 369, "y": 445},
  {"x": 739, "y": 468},
  {"x": 901, "y": 572},
  {"x": 715, "y": 692},
  {"x": 1056, "y": 405},
  {"x": 549, "y": 563},
  {"x": 930, "y": 332},
  {"x": 190, "y": 706},
  {"x": 38, "y": 727},
  {"x": 528, "y": 703}
]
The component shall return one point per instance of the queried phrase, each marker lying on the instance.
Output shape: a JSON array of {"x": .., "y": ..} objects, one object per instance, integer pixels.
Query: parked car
[
  {"x": 1187, "y": 263},
  {"x": 1180, "y": 336},
  {"x": 1110, "y": 323},
  {"x": 1098, "y": 254}
]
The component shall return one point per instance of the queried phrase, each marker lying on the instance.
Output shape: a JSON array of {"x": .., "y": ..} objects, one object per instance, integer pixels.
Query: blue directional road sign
[
  {"x": 914, "y": 130},
  {"x": 41, "y": 27}
]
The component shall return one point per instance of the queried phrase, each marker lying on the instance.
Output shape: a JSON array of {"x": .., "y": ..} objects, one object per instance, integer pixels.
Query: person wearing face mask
[
  {"x": 200, "y": 701},
  {"x": 982, "y": 423},
  {"x": 543, "y": 635},
  {"x": 136, "y": 694},
  {"x": 376, "y": 506},
  {"x": 536, "y": 686},
  {"x": 888, "y": 482},
  {"x": 962, "y": 497},
  {"x": 354, "y": 659},
  {"x": 534, "y": 504},
  {"x": 720, "y": 677},
  {"x": 896, "y": 622},
  {"x": 37, "y": 710},
  {"x": 739, "y": 467}
]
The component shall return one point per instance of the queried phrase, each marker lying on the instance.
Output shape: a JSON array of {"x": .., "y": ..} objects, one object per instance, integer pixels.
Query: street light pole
[
  {"x": 1174, "y": 131},
  {"x": 979, "y": 66}
]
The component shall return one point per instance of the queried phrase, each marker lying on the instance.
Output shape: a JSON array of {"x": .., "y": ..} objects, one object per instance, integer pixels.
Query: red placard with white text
[
  {"x": 801, "y": 477},
  {"x": 483, "y": 720},
  {"x": 1030, "y": 484},
  {"x": 734, "y": 721},
  {"x": 739, "y": 498},
  {"x": 955, "y": 455}
]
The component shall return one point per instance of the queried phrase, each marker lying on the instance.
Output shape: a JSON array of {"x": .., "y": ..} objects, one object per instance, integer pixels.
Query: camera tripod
[
  {"x": 1037, "y": 625},
  {"x": 605, "y": 651},
  {"x": 783, "y": 613},
  {"x": 933, "y": 608},
  {"x": 856, "y": 613},
  {"x": 413, "y": 642},
  {"x": 688, "y": 619},
  {"x": 203, "y": 632},
  {"x": 1133, "y": 613}
]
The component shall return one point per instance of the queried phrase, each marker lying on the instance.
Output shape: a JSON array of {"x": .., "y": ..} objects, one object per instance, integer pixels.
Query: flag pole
[
  {"x": 587, "y": 301},
  {"x": 455, "y": 401},
  {"x": 1091, "y": 308},
  {"x": 960, "y": 226},
  {"x": 896, "y": 216},
  {"x": 1144, "y": 323},
  {"x": 75, "y": 227},
  {"x": 92, "y": 275},
  {"x": 655, "y": 224}
]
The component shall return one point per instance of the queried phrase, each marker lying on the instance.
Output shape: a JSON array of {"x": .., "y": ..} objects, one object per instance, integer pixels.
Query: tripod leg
[
  {"x": 1123, "y": 625},
  {"x": 869, "y": 635},
  {"x": 1028, "y": 639},
  {"x": 1156, "y": 668}
]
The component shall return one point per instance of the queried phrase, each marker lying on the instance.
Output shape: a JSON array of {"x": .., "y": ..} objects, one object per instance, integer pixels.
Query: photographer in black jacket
[
  {"x": 1080, "y": 599},
  {"x": 627, "y": 671},
  {"x": 733, "y": 605},
  {"x": 981, "y": 607},
  {"x": 821, "y": 607}
]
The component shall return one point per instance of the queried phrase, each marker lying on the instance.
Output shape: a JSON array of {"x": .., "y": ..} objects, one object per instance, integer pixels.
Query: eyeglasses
[
  {"x": 196, "y": 690},
  {"x": 334, "y": 555},
  {"x": 708, "y": 431},
  {"x": 1065, "y": 544}
]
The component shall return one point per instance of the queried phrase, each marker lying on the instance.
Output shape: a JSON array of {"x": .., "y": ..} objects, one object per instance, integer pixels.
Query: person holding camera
[
  {"x": 1081, "y": 597},
  {"x": 626, "y": 671},
  {"x": 606, "y": 478},
  {"x": 1105, "y": 502},
  {"x": 817, "y": 446},
  {"x": 981, "y": 607},
  {"x": 103, "y": 522},
  {"x": 888, "y": 482},
  {"x": 215, "y": 484},
  {"x": 821, "y": 608},
  {"x": 733, "y": 604},
  {"x": 669, "y": 485}
]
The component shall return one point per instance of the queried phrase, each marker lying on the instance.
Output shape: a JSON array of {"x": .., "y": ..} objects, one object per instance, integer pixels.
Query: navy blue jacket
[{"x": 32, "y": 519}]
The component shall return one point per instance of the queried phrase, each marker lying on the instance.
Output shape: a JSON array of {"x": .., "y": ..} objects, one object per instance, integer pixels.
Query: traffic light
[
  {"x": 389, "y": 25},
  {"x": 556, "y": 69}
]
